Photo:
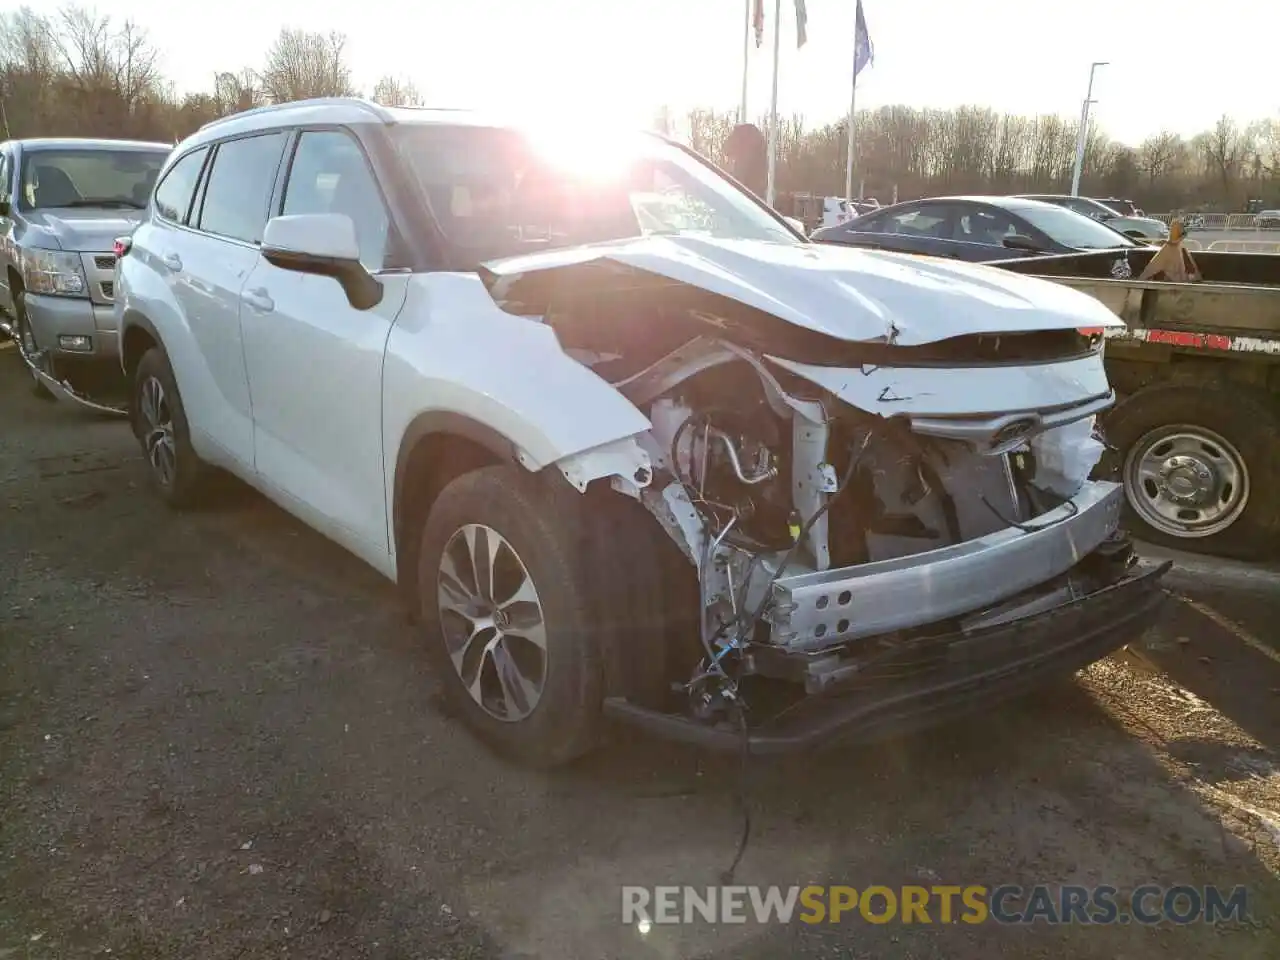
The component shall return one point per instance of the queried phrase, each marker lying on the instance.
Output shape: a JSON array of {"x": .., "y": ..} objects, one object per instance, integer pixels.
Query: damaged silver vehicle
[{"x": 631, "y": 447}]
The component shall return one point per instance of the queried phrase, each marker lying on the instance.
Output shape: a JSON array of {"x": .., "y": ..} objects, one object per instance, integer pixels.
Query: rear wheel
[
  {"x": 160, "y": 423},
  {"x": 1200, "y": 465}
]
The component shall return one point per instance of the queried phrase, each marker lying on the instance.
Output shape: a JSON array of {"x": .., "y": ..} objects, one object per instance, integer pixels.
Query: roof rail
[{"x": 377, "y": 111}]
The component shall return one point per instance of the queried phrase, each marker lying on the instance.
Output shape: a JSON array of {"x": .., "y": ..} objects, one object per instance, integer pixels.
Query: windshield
[
  {"x": 1122, "y": 207},
  {"x": 89, "y": 178},
  {"x": 498, "y": 192},
  {"x": 1073, "y": 229},
  {"x": 1091, "y": 207}
]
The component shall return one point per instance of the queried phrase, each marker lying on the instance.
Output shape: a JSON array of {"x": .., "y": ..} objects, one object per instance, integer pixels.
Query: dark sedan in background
[{"x": 976, "y": 229}]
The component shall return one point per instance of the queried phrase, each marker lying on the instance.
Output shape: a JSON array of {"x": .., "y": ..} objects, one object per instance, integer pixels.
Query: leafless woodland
[{"x": 82, "y": 73}]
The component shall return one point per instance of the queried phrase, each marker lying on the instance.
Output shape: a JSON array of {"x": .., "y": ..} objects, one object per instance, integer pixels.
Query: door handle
[
  {"x": 172, "y": 261},
  {"x": 258, "y": 300}
]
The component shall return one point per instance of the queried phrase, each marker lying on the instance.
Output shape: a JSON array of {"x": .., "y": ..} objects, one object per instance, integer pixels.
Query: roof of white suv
[{"x": 338, "y": 110}]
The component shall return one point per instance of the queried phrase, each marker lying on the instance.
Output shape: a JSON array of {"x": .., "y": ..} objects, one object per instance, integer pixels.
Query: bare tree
[
  {"x": 78, "y": 73},
  {"x": 1225, "y": 149},
  {"x": 28, "y": 69},
  {"x": 301, "y": 65},
  {"x": 237, "y": 91},
  {"x": 25, "y": 43},
  {"x": 1266, "y": 137},
  {"x": 396, "y": 92},
  {"x": 1157, "y": 155},
  {"x": 108, "y": 72}
]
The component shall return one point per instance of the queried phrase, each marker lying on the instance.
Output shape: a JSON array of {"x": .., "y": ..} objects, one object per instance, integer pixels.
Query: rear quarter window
[{"x": 173, "y": 195}]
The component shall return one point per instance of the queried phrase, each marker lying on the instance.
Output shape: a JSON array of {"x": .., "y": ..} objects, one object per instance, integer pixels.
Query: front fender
[{"x": 454, "y": 356}]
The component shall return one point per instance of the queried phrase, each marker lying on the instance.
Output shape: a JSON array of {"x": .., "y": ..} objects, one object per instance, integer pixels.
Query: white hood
[{"x": 849, "y": 293}]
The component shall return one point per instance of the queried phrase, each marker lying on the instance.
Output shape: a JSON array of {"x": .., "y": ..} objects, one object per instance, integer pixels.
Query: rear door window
[
  {"x": 984, "y": 225},
  {"x": 1086, "y": 208},
  {"x": 240, "y": 184},
  {"x": 926, "y": 220}
]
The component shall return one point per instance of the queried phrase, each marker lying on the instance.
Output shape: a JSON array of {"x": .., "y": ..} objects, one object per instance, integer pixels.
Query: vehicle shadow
[{"x": 1216, "y": 666}]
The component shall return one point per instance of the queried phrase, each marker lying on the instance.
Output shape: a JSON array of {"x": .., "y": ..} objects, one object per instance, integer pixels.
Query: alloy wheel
[
  {"x": 492, "y": 622},
  {"x": 156, "y": 422}
]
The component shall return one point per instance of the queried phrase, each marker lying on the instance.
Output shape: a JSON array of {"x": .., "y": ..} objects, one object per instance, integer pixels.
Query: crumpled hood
[
  {"x": 82, "y": 230},
  {"x": 848, "y": 293}
]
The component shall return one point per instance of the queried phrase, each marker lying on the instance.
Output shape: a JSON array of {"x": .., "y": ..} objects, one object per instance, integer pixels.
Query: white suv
[{"x": 687, "y": 471}]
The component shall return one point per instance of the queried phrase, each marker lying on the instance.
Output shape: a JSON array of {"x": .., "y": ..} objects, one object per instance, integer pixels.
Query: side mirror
[
  {"x": 323, "y": 244},
  {"x": 1018, "y": 241}
]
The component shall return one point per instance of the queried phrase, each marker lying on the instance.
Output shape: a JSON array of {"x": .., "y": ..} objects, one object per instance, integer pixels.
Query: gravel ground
[{"x": 219, "y": 739}]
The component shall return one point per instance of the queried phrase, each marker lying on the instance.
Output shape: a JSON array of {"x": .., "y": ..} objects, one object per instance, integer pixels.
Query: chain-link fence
[
  {"x": 1220, "y": 221},
  {"x": 1233, "y": 246}
]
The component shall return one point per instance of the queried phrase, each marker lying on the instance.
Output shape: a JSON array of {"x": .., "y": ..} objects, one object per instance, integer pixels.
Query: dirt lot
[{"x": 219, "y": 739}]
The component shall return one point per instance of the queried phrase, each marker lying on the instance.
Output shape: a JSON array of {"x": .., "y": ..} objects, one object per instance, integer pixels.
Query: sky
[{"x": 1174, "y": 64}]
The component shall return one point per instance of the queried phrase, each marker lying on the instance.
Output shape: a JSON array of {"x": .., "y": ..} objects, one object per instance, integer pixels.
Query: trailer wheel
[{"x": 1200, "y": 467}]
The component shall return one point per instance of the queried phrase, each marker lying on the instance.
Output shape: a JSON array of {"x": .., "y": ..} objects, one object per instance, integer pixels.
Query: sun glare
[{"x": 591, "y": 154}]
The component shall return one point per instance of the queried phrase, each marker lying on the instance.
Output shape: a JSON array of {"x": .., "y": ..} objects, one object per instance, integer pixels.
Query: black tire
[
  {"x": 181, "y": 486},
  {"x": 27, "y": 340},
  {"x": 1247, "y": 421},
  {"x": 552, "y": 531}
]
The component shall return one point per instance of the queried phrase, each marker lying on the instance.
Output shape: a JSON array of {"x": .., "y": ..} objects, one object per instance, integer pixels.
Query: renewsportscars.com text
[{"x": 972, "y": 904}]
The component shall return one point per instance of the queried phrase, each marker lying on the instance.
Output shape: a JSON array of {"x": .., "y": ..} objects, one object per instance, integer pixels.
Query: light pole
[{"x": 1084, "y": 129}]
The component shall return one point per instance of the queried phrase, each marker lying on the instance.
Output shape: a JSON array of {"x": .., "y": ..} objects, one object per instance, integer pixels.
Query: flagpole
[
  {"x": 853, "y": 99},
  {"x": 773, "y": 102},
  {"x": 746, "y": 59},
  {"x": 863, "y": 54}
]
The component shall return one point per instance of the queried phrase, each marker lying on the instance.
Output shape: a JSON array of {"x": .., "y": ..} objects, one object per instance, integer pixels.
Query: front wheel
[
  {"x": 508, "y": 604},
  {"x": 27, "y": 343},
  {"x": 1199, "y": 464}
]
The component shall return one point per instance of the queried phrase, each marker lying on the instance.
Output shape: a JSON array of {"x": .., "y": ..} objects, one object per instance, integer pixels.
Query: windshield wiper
[{"x": 106, "y": 202}]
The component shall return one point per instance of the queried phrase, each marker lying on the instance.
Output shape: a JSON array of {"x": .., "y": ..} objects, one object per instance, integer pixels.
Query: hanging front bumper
[{"x": 951, "y": 674}]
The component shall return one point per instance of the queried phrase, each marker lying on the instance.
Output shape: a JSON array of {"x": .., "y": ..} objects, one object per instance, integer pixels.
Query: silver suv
[{"x": 62, "y": 205}]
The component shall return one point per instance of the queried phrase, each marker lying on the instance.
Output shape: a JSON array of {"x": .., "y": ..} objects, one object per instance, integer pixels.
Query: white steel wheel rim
[{"x": 1186, "y": 481}]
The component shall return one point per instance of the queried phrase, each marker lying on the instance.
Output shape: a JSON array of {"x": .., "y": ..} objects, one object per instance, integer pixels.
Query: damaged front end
[
  {"x": 884, "y": 532},
  {"x": 39, "y": 366}
]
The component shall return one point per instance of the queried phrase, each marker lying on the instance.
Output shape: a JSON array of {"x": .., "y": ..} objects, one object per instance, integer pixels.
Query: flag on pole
[
  {"x": 863, "y": 51},
  {"x": 757, "y": 21},
  {"x": 802, "y": 22}
]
